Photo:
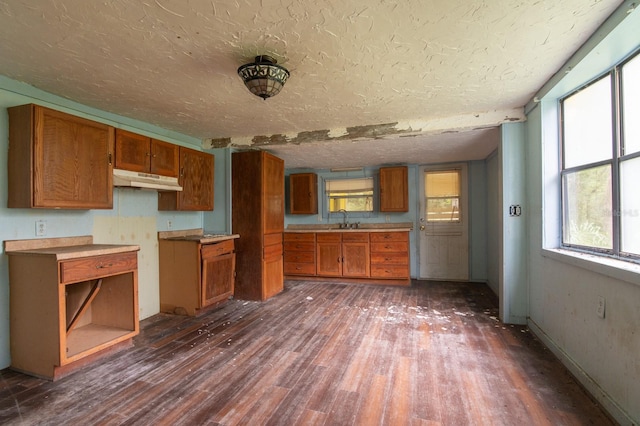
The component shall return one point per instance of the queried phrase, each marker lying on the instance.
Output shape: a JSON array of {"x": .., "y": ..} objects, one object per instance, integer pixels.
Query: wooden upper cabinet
[
  {"x": 57, "y": 160},
  {"x": 196, "y": 179},
  {"x": 394, "y": 189},
  {"x": 139, "y": 153},
  {"x": 303, "y": 193}
]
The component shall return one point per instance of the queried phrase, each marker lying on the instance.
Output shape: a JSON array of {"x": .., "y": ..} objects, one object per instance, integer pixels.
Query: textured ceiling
[{"x": 372, "y": 82}]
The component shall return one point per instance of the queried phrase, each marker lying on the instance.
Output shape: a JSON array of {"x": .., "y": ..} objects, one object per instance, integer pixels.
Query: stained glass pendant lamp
[{"x": 264, "y": 77}]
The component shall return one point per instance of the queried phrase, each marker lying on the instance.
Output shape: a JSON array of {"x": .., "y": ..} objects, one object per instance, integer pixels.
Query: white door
[{"x": 444, "y": 223}]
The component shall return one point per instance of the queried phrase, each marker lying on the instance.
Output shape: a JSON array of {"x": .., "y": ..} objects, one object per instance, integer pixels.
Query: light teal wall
[
  {"x": 134, "y": 218},
  {"x": 218, "y": 221},
  {"x": 478, "y": 253},
  {"x": 494, "y": 221},
  {"x": 477, "y": 207},
  {"x": 564, "y": 287},
  {"x": 513, "y": 263}
]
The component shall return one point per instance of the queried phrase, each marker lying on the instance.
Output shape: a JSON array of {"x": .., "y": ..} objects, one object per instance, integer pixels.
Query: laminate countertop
[
  {"x": 197, "y": 235},
  {"x": 65, "y": 248}
]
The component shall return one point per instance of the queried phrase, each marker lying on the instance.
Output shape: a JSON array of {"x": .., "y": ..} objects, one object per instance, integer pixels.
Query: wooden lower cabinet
[
  {"x": 356, "y": 255},
  {"x": 195, "y": 275},
  {"x": 343, "y": 254},
  {"x": 272, "y": 266},
  {"x": 300, "y": 253},
  {"x": 329, "y": 254},
  {"x": 70, "y": 305},
  {"x": 390, "y": 255}
]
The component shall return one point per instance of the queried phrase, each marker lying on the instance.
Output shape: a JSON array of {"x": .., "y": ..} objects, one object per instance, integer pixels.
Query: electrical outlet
[
  {"x": 41, "y": 228},
  {"x": 387, "y": 218},
  {"x": 319, "y": 218},
  {"x": 169, "y": 224},
  {"x": 600, "y": 307}
]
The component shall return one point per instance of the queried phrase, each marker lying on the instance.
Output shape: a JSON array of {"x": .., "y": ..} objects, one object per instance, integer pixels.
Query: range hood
[{"x": 144, "y": 180}]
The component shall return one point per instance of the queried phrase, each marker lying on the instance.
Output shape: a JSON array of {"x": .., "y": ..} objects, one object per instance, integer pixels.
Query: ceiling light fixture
[{"x": 263, "y": 77}]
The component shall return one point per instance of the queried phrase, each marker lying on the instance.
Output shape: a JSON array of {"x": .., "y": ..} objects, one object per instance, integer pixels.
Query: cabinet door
[
  {"x": 58, "y": 161},
  {"x": 355, "y": 257},
  {"x": 394, "y": 190},
  {"x": 164, "y": 158},
  {"x": 132, "y": 151},
  {"x": 196, "y": 179},
  {"x": 303, "y": 193},
  {"x": 329, "y": 259},
  {"x": 273, "y": 194},
  {"x": 73, "y": 165},
  {"x": 217, "y": 278}
]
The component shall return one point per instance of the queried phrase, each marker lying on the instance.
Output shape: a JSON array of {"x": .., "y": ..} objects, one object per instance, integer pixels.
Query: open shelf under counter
[{"x": 71, "y": 301}]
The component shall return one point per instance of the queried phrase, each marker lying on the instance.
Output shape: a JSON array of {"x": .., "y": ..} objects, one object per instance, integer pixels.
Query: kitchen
[{"x": 495, "y": 178}]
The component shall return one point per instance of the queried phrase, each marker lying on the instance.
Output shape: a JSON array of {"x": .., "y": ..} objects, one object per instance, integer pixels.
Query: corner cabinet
[
  {"x": 70, "y": 304},
  {"x": 394, "y": 189},
  {"x": 143, "y": 154},
  {"x": 57, "y": 160},
  {"x": 303, "y": 193},
  {"x": 196, "y": 272},
  {"x": 196, "y": 179}
]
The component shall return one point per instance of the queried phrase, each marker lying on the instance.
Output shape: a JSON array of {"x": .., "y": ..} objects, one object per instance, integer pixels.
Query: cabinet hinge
[{"x": 110, "y": 161}]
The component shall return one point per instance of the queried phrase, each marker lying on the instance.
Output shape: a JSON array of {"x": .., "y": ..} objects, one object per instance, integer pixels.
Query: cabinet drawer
[
  {"x": 301, "y": 257},
  {"x": 390, "y": 246},
  {"x": 359, "y": 237},
  {"x": 389, "y": 271},
  {"x": 217, "y": 249},
  {"x": 328, "y": 237},
  {"x": 390, "y": 258},
  {"x": 97, "y": 266},
  {"x": 295, "y": 236},
  {"x": 295, "y": 246},
  {"x": 273, "y": 251},
  {"x": 378, "y": 237},
  {"x": 293, "y": 268},
  {"x": 271, "y": 239}
]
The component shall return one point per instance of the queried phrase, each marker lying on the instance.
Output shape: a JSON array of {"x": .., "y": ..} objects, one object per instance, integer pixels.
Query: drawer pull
[{"x": 108, "y": 265}]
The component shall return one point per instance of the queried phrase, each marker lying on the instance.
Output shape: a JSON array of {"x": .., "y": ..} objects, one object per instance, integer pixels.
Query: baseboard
[{"x": 604, "y": 399}]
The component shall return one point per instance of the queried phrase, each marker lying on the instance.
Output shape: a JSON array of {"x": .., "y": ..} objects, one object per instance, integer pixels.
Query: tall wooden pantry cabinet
[{"x": 258, "y": 217}]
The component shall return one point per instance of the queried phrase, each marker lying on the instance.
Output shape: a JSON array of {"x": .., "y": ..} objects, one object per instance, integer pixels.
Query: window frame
[
  {"x": 615, "y": 162},
  {"x": 355, "y": 213},
  {"x": 458, "y": 197}
]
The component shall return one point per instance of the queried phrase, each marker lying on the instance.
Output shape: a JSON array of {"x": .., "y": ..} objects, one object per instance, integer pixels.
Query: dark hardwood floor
[{"x": 319, "y": 353}]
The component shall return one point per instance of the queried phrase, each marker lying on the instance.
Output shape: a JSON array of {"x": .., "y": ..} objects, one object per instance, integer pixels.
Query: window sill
[{"x": 613, "y": 268}]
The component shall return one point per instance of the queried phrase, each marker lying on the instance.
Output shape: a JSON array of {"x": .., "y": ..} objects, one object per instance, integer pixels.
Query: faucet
[{"x": 345, "y": 222}]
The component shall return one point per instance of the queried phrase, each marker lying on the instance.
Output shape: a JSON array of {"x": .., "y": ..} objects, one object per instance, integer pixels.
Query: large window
[
  {"x": 350, "y": 195},
  {"x": 601, "y": 163}
]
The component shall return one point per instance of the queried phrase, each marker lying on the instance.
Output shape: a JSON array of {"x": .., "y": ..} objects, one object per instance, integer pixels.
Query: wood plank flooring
[{"x": 319, "y": 354}]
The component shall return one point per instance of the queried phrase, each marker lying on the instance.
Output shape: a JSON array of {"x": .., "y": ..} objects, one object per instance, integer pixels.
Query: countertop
[
  {"x": 197, "y": 235},
  {"x": 65, "y": 248},
  {"x": 364, "y": 227}
]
